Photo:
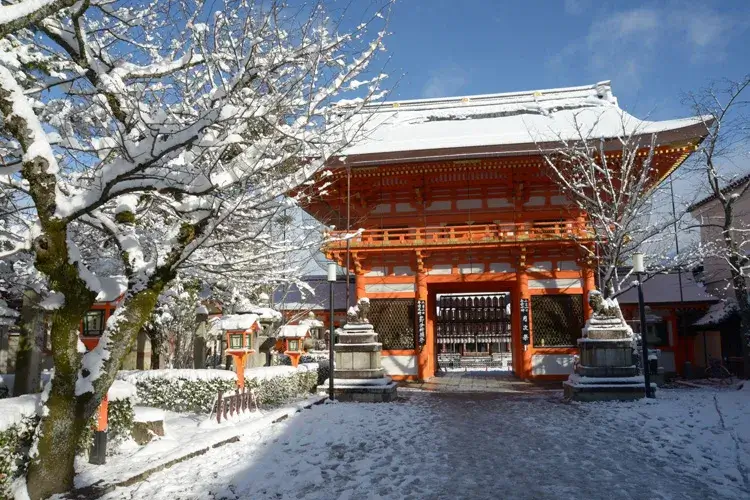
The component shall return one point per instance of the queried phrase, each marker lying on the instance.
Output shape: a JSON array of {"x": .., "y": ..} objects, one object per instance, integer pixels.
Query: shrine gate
[{"x": 470, "y": 255}]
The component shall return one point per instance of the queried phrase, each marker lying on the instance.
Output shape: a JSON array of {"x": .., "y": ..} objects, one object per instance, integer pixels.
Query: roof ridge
[
  {"x": 740, "y": 181},
  {"x": 602, "y": 88}
]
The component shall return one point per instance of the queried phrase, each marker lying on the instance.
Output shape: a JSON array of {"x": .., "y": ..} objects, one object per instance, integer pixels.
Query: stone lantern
[
  {"x": 241, "y": 330},
  {"x": 292, "y": 338}
]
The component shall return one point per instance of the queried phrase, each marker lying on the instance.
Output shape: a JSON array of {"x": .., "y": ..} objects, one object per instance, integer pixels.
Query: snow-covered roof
[
  {"x": 311, "y": 322},
  {"x": 238, "y": 321},
  {"x": 293, "y": 331},
  {"x": 718, "y": 313},
  {"x": 508, "y": 123}
]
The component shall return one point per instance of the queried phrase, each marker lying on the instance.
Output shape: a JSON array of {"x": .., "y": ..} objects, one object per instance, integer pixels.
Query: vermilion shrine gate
[{"x": 470, "y": 255}]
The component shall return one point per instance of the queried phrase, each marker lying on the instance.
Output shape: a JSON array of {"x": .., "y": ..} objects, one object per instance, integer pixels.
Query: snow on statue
[{"x": 145, "y": 137}]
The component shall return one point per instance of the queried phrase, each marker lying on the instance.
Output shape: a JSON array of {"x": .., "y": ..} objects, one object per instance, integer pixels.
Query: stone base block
[
  {"x": 604, "y": 391},
  {"x": 384, "y": 393},
  {"x": 607, "y": 371},
  {"x": 143, "y": 432},
  {"x": 359, "y": 373}
]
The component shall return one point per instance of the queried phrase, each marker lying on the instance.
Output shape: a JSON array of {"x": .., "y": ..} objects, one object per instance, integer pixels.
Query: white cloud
[
  {"x": 576, "y": 7},
  {"x": 448, "y": 81},
  {"x": 621, "y": 44}
]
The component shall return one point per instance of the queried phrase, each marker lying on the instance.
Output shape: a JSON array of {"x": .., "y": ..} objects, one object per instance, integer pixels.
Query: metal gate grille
[
  {"x": 556, "y": 320},
  {"x": 473, "y": 320},
  {"x": 393, "y": 320}
]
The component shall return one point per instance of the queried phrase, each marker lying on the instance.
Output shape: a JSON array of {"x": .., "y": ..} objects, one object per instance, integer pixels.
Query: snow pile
[
  {"x": 14, "y": 410},
  {"x": 294, "y": 331},
  {"x": 239, "y": 321},
  {"x": 121, "y": 390},
  {"x": 147, "y": 414}
]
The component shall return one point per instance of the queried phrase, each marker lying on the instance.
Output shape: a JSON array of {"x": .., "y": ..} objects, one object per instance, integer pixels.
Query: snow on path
[{"x": 477, "y": 446}]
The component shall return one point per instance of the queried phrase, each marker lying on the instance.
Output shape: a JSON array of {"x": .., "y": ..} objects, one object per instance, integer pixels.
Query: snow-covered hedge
[
  {"x": 180, "y": 390},
  {"x": 196, "y": 390},
  {"x": 17, "y": 423},
  {"x": 19, "y": 419}
]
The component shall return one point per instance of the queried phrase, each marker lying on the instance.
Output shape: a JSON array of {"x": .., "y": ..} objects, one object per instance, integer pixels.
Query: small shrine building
[{"x": 469, "y": 254}]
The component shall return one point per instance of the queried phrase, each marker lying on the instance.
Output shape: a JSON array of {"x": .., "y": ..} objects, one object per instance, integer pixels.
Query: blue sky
[{"x": 652, "y": 51}]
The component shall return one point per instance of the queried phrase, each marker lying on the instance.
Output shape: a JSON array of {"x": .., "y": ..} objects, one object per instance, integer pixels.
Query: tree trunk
[
  {"x": 52, "y": 472},
  {"x": 30, "y": 345},
  {"x": 53, "y": 469}
]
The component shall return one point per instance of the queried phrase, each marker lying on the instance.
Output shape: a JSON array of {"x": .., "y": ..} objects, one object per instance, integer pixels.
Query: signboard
[
  {"x": 525, "y": 328},
  {"x": 421, "y": 326}
]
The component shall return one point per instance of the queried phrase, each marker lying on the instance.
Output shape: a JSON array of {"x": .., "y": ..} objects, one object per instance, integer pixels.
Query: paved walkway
[
  {"x": 482, "y": 381},
  {"x": 688, "y": 444}
]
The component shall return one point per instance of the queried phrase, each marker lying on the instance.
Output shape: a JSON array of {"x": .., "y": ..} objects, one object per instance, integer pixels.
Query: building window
[
  {"x": 393, "y": 320},
  {"x": 556, "y": 320},
  {"x": 93, "y": 324}
]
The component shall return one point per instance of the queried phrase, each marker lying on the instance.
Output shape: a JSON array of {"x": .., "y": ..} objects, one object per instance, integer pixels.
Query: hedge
[
  {"x": 16, "y": 439},
  {"x": 196, "y": 390}
]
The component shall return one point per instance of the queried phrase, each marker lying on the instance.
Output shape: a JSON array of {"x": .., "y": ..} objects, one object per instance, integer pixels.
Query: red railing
[{"x": 519, "y": 232}]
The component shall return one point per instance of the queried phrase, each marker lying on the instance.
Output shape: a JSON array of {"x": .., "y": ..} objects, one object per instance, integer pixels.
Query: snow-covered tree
[
  {"x": 610, "y": 182},
  {"x": 144, "y": 135},
  {"x": 724, "y": 109},
  {"x": 174, "y": 323}
]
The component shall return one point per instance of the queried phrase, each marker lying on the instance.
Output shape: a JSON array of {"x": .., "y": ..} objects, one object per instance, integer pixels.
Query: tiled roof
[
  {"x": 726, "y": 189},
  {"x": 508, "y": 119}
]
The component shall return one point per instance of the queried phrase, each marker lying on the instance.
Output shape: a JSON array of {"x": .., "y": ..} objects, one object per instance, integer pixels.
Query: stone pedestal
[
  {"x": 358, "y": 374},
  {"x": 605, "y": 370}
]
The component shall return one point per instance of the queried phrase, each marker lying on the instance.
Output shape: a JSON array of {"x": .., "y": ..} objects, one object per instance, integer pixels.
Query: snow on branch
[{"x": 610, "y": 182}]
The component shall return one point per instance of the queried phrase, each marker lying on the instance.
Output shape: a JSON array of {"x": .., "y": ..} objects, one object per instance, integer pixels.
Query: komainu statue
[{"x": 357, "y": 315}]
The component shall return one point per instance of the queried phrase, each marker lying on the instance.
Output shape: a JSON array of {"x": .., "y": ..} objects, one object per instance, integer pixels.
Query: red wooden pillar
[
  {"x": 359, "y": 285},
  {"x": 523, "y": 369},
  {"x": 426, "y": 357}
]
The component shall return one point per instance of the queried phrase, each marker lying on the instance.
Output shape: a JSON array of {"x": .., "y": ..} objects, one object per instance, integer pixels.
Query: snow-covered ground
[{"x": 686, "y": 444}]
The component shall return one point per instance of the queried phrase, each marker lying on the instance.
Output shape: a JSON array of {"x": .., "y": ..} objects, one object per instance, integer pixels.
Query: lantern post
[
  {"x": 639, "y": 270},
  {"x": 331, "y": 281}
]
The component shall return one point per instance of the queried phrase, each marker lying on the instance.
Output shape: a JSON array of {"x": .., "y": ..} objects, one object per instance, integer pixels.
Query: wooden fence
[{"x": 240, "y": 401}]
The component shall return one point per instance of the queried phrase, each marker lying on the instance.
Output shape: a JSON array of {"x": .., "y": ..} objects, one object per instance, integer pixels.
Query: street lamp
[
  {"x": 331, "y": 281},
  {"x": 639, "y": 270}
]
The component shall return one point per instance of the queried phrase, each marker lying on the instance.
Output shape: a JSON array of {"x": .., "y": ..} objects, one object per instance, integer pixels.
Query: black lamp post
[
  {"x": 331, "y": 281},
  {"x": 639, "y": 270}
]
